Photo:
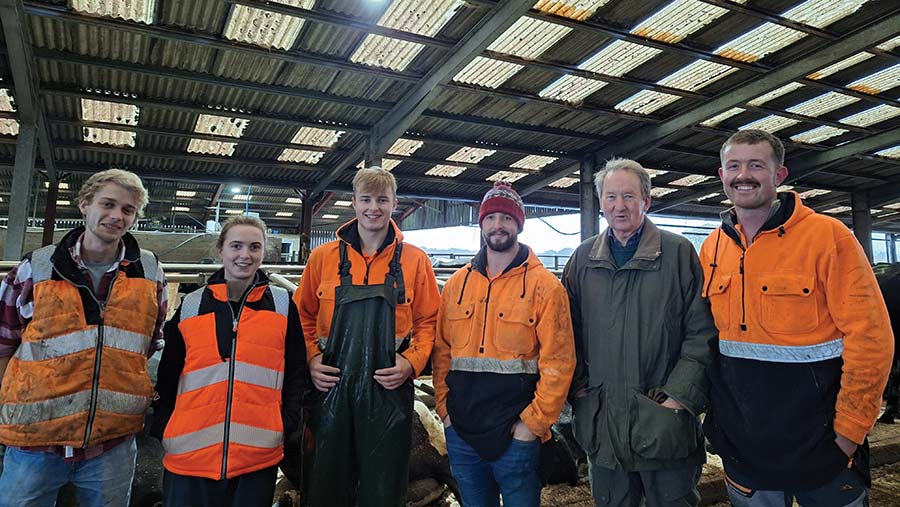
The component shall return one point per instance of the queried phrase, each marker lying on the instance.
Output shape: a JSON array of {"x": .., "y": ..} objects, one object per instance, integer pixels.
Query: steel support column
[
  {"x": 50, "y": 211},
  {"x": 20, "y": 193},
  {"x": 862, "y": 220},
  {"x": 306, "y": 217},
  {"x": 590, "y": 223}
]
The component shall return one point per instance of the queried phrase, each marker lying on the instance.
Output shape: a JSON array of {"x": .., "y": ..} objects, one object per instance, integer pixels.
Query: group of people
[{"x": 777, "y": 332}]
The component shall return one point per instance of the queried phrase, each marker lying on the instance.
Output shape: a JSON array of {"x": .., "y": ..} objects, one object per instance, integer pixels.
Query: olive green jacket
[{"x": 638, "y": 327}]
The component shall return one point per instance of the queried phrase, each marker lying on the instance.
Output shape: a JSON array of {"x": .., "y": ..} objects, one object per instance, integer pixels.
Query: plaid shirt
[{"x": 17, "y": 308}]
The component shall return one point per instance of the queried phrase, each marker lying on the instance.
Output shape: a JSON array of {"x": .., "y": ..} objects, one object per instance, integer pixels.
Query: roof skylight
[
  {"x": 405, "y": 147},
  {"x": 774, "y": 94},
  {"x": 678, "y": 19},
  {"x": 646, "y": 101},
  {"x": 841, "y": 65},
  {"x": 6, "y": 101},
  {"x": 579, "y": 10},
  {"x": 533, "y": 162},
  {"x": 771, "y": 123},
  {"x": 813, "y": 192},
  {"x": 571, "y": 89},
  {"x": 487, "y": 72},
  {"x": 218, "y": 125},
  {"x": 313, "y": 136},
  {"x": 136, "y": 10},
  {"x": 446, "y": 171},
  {"x": 872, "y": 116},
  {"x": 690, "y": 180},
  {"x": 822, "y": 104},
  {"x": 471, "y": 155},
  {"x": 719, "y": 118},
  {"x": 301, "y": 156},
  {"x": 529, "y": 38},
  {"x": 265, "y": 28},
  {"x": 878, "y": 82},
  {"x": 837, "y": 209},
  {"x": 619, "y": 58},
  {"x": 889, "y": 152},
  {"x": 9, "y": 127},
  {"x": 564, "y": 182},
  {"x": 818, "y": 134},
  {"x": 657, "y": 192},
  {"x": 507, "y": 176}
]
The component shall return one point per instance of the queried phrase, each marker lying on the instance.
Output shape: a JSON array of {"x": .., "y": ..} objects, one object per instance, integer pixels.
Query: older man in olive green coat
[{"x": 642, "y": 337}]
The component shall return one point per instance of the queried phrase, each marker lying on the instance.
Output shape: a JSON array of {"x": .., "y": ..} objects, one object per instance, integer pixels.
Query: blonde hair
[
  {"x": 627, "y": 165},
  {"x": 125, "y": 179},
  {"x": 374, "y": 179},
  {"x": 239, "y": 220}
]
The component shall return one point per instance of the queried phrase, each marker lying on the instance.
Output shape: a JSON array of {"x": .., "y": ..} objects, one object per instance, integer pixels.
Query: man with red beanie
[{"x": 503, "y": 360}]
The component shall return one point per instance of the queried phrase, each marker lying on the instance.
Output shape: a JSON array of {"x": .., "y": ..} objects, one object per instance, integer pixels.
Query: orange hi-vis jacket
[
  {"x": 415, "y": 319},
  {"x": 227, "y": 420},
  {"x": 79, "y": 377}
]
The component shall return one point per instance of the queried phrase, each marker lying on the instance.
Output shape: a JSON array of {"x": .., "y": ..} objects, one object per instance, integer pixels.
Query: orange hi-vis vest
[
  {"x": 227, "y": 419},
  {"x": 79, "y": 377}
]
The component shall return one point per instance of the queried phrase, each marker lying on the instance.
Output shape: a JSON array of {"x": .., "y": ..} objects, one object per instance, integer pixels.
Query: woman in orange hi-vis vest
[{"x": 230, "y": 381}]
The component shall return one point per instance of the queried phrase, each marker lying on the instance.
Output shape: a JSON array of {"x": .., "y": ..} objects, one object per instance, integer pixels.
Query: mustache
[{"x": 745, "y": 181}]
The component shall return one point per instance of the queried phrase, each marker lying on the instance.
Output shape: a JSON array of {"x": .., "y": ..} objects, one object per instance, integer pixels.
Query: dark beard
[{"x": 503, "y": 246}]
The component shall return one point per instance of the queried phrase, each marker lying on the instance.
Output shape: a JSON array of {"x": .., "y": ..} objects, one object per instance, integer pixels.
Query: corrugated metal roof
[
  {"x": 690, "y": 181},
  {"x": 507, "y": 176},
  {"x": 571, "y": 89},
  {"x": 265, "y": 28},
  {"x": 317, "y": 137},
  {"x": 678, "y": 19},
  {"x": 756, "y": 44},
  {"x": 818, "y": 134},
  {"x": 108, "y": 136},
  {"x": 841, "y": 65},
  {"x": 719, "y": 118},
  {"x": 771, "y": 123},
  {"x": 301, "y": 156},
  {"x": 822, "y": 104},
  {"x": 778, "y": 92},
  {"x": 136, "y": 10},
  {"x": 424, "y": 17},
  {"x": 386, "y": 52},
  {"x": 646, "y": 101},
  {"x": 619, "y": 58},
  {"x": 471, "y": 155},
  {"x": 691, "y": 78},
  {"x": 533, "y": 162},
  {"x": 821, "y": 13},
  {"x": 579, "y": 10},
  {"x": 487, "y": 72},
  {"x": 890, "y": 152},
  {"x": 446, "y": 171},
  {"x": 872, "y": 116},
  {"x": 878, "y": 82},
  {"x": 529, "y": 37}
]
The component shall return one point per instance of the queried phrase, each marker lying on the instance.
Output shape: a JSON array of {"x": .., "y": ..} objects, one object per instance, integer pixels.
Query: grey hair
[{"x": 627, "y": 165}]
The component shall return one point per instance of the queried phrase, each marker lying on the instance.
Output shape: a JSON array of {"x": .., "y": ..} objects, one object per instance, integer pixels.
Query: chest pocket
[
  {"x": 515, "y": 331},
  {"x": 788, "y": 303},
  {"x": 325, "y": 293},
  {"x": 456, "y": 322},
  {"x": 719, "y": 300},
  {"x": 404, "y": 321}
]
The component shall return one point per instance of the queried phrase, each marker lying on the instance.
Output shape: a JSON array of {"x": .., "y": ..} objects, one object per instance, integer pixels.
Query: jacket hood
[
  {"x": 219, "y": 286},
  {"x": 349, "y": 233},
  {"x": 520, "y": 264},
  {"x": 788, "y": 211},
  {"x": 62, "y": 257}
]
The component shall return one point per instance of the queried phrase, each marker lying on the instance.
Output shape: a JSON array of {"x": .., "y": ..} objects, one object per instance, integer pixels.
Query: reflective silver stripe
[
  {"x": 282, "y": 299},
  {"x": 190, "y": 305},
  {"x": 490, "y": 365},
  {"x": 244, "y": 372},
  {"x": 213, "y": 435},
  {"x": 78, "y": 341},
  {"x": 782, "y": 353},
  {"x": 323, "y": 340},
  {"x": 41, "y": 267},
  {"x": 149, "y": 265},
  {"x": 45, "y": 410}
]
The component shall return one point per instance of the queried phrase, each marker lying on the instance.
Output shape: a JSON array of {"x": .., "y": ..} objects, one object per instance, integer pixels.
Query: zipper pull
[{"x": 234, "y": 325}]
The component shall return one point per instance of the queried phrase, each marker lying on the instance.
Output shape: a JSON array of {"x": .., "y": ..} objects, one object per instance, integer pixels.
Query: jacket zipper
[
  {"x": 98, "y": 350},
  {"x": 234, "y": 327},
  {"x": 487, "y": 300},
  {"x": 743, "y": 291}
]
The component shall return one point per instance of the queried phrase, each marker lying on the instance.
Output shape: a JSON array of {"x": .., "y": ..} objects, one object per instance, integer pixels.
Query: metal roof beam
[
  {"x": 394, "y": 124},
  {"x": 772, "y": 17},
  {"x": 647, "y": 138}
]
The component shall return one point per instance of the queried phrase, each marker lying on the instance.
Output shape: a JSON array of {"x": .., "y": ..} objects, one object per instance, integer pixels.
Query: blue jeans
[
  {"x": 514, "y": 475},
  {"x": 33, "y": 479}
]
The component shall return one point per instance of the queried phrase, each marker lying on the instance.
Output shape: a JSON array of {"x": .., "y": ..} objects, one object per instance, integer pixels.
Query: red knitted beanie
[{"x": 503, "y": 199}]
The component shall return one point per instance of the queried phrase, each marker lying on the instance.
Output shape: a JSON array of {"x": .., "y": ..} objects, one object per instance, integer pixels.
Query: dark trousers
[{"x": 255, "y": 489}]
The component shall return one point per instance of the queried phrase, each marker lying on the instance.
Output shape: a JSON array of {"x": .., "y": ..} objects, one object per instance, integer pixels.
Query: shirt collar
[
  {"x": 634, "y": 239},
  {"x": 75, "y": 251}
]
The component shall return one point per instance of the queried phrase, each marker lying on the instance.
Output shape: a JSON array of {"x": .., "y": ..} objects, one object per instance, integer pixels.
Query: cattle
[{"x": 889, "y": 281}]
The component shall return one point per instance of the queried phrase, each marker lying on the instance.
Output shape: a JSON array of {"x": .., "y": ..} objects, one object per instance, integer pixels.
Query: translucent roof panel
[
  {"x": 6, "y": 101},
  {"x": 878, "y": 82},
  {"x": 328, "y": 216},
  {"x": 487, "y": 72},
  {"x": 386, "y": 52},
  {"x": 9, "y": 127},
  {"x": 313, "y": 136},
  {"x": 470, "y": 155},
  {"x": 107, "y": 136},
  {"x": 646, "y": 101},
  {"x": 389, "y": 164},
  {"x": 821, "y": 13},
  {"x": 697, "y": 75},
  {"x": 771, "y": 123},
  {"x": 820, "y": 105},
  {"x": 529, "y": 38},
  {"x": 564, "y": 182},
  {"x": 690, "y": 180},
  {"x": 890, "y": 152},
  {"x": 890, "y": 45},
  {"x": 265, "y": 28},
  {"x": 135, "y": 10},
  {"x": 405, "y": 147},
  {"x": 418, "y": 16},
  {"x": 678, "y": 19},
  {"x": 109, "y": 112},
  {"x": 719, "y": 118},
  {"x": 211, "y": 147},
  {"x": 185, "y": 193},
  {"x": 774, "y": 94},
  {"x": 446, "y": 171},
  {"x": 293, "y": 200},
  {"x": 507, "y": 176},
  {"x": 533, "y": 162},
  {"x": 283, "y": 214},
  {"x": 579, "y": 10},
  {"x": 837, "y": 209},
  {"x": 571, "y": 89},
  {"x": 619, "y": 58},
  {"x": 184, "y": 209},
  {"x": 657, "y": 192},
  {"x": 872, "y": 116},
  {"x": 818, "y": 134},
  {"x": 343, "y": 203},
  {"x": 813, "y": 193},
  {"x": 301, "y": 156},
  {"x": 654, "y": 172},
  {"x": 707, "y": 196},
  {"x": 841, "y": 65},
  {"x": 220, "y": 125}
]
